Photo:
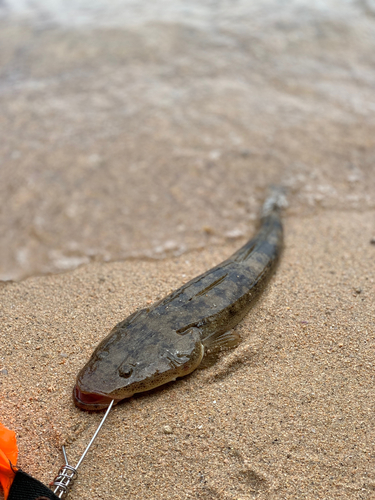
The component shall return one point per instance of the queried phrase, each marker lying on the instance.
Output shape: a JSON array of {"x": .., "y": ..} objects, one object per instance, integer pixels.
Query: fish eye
[{"x": 125, "y": 372}]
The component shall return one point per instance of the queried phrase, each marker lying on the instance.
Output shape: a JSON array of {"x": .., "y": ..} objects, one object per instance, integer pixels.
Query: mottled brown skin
[{"x": 167, "y": 340}]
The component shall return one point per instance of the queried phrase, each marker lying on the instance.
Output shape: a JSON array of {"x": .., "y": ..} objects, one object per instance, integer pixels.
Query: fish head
[{"x": 126, "y": 363}]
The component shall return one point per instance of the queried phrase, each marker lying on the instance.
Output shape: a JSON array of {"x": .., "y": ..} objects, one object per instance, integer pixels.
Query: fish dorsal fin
[{"x": 211, "y": 286}]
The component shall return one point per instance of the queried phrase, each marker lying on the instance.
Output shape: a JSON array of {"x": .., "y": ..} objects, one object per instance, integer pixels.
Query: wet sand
[
  {"x": 141, "y": 152},
  {"x": 161, "y": 137},
  {"x": 287, "y": 414}
]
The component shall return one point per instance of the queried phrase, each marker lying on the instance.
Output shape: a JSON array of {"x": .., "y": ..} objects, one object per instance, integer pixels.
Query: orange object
[{"x": 8, "y": 456}]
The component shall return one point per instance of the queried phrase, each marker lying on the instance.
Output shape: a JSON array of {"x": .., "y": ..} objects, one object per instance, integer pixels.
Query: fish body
[{"x": 156, "y": 345}]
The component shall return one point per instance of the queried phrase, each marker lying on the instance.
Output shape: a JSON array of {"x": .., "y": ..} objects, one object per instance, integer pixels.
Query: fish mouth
[{"x": 91, "y": 402}]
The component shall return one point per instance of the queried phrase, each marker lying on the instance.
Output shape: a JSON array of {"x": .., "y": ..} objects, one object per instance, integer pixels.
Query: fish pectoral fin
[
  {"x": 220, "y": 340},
  {"x": 175, "y": 359}
]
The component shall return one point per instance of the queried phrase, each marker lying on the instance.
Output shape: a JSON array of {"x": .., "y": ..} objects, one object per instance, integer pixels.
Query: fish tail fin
[{"x": 275, "y": 201}]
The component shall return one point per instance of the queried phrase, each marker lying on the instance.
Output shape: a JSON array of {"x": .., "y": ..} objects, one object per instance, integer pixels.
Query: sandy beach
[
  {"x": 287, "y": 414},
  {"x": 136, "y": 150}
]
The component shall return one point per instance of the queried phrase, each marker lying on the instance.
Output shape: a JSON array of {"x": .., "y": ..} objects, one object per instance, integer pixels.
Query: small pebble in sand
[
  {"x": 208, "y": 230},
  {"x": 167, "y": 429}
]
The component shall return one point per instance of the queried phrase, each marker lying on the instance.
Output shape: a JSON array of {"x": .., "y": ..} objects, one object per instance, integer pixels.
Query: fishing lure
[{"x": 18, "y": 485}]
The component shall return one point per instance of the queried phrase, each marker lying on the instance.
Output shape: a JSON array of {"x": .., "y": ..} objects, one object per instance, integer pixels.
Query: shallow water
[
  {"x": 205, "y": 15},
  {"x": 144, "y": 130}
]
